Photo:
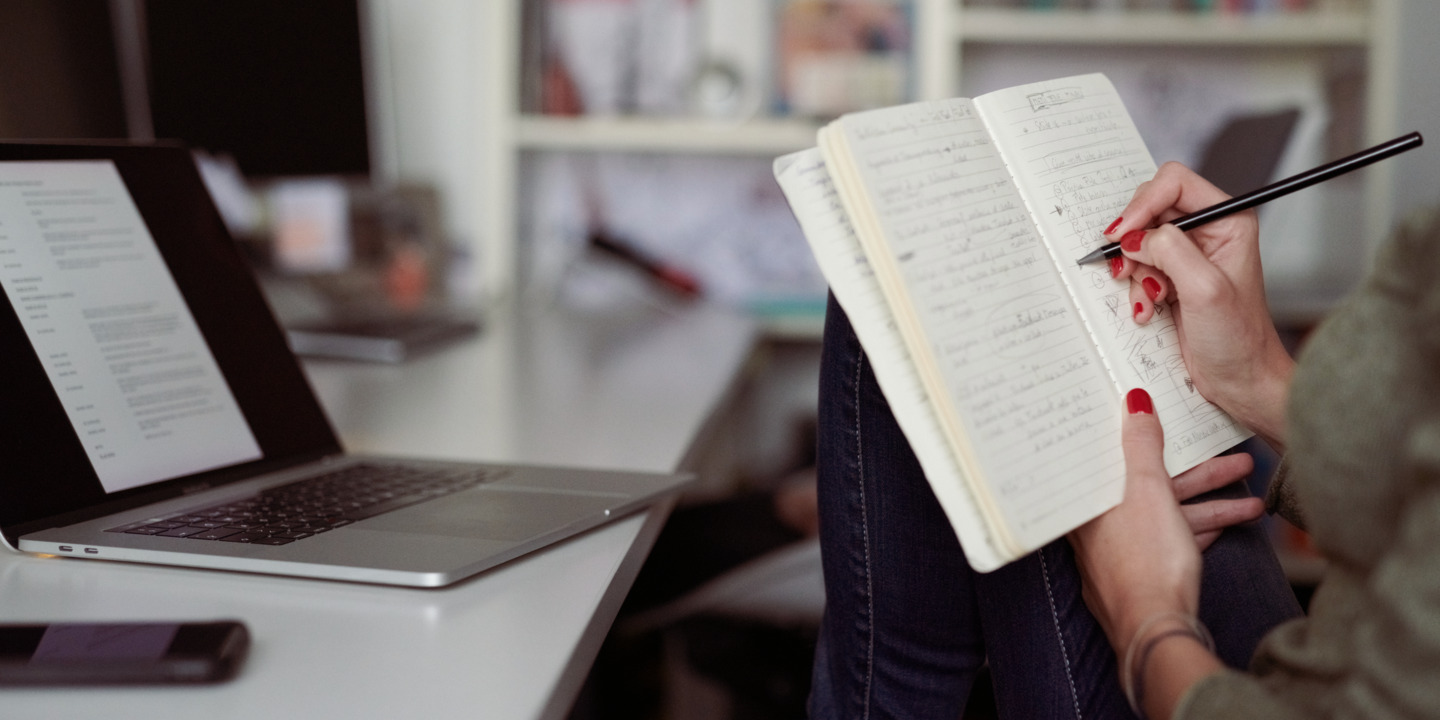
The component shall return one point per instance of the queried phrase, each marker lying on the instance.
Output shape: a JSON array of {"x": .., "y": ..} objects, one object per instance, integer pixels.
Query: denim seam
[
  {"x": 865, "y": 534},
  {"x": 1059, "y": 637}
]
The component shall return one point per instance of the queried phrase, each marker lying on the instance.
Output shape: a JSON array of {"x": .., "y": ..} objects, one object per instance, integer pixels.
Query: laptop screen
[
  {"x": 120, "y": 347},
  {"x": 140, "y": 359}
]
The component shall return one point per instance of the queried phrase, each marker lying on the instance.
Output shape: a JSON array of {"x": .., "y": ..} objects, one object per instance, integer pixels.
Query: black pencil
[{"x": 1276, "y": 189}]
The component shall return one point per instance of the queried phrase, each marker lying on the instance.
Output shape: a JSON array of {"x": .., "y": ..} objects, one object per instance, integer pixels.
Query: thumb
[
  {"x": 1175, "y": 254},
  {"x": 1142, "y": 437}
]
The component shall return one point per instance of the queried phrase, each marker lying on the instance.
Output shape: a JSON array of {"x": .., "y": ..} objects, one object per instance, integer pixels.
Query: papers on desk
[{"x": 379, "y": 339}]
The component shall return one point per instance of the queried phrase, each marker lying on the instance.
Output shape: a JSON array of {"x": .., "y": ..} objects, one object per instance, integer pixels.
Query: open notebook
[{"x": 948, "y": 232}]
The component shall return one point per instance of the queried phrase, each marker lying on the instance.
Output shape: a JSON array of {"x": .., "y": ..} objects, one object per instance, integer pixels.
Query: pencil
[{"x": 1280, "y": 188}]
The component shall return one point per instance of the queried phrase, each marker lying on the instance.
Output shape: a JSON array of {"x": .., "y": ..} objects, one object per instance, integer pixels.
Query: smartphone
[{"x": 121, "y": 653}]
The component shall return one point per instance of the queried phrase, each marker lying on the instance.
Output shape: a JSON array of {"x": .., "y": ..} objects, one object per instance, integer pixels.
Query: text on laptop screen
[{"x": 128, "y": 362}]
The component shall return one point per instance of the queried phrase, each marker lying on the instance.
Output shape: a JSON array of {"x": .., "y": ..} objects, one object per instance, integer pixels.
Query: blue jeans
[{"x": 908, "y": 624}]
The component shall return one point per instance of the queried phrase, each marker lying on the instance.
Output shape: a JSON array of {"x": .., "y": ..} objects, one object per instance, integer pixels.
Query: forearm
[{"x": 1171, "y": 667}]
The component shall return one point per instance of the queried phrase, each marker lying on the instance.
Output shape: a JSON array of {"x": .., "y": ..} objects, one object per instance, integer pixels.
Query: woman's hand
[
  {"x": 1209, "y": 518},
  {"x": 1139, "y": 558},
  {"x": 1141, "y": 572},
  {"x": 1212, "y": 277}
]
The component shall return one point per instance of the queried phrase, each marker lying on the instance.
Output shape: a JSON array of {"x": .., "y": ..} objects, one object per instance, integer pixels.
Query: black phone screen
[{"x": 100, "y": 653}]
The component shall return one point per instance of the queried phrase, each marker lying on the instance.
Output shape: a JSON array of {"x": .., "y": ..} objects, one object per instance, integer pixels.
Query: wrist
[
  {"x": 1263, "y": 408},
  {"x": 1160, "y": 628},
  {"x": 1139, "y": 616}
]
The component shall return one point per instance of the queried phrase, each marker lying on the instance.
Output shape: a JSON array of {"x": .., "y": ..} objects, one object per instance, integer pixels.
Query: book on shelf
[
  {"x": 948, "y": 232},
  {"x": 834, "y": 56},
  {"x": 1198, "y": 6}
]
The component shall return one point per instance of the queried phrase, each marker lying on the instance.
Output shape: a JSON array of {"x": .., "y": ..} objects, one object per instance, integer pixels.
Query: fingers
[
  {"x": 1147, "y": 287},
  {"x": 1207, "y": 519},
  {"x": 1150, "y": 255},
  {"x": 1120, "y": 265},
  {"x": 1212, "y": 474},
  {"x": 1215, "y": 515},
  {"x": 1168, "y": 249},
  {"x": 1174, "y": 191},
  {"x": 1142, "y": 438},
  {"x": 1192, "y": 275}
]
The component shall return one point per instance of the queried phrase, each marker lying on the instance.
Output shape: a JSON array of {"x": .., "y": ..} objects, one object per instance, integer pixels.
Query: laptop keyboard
[{"x": 305, "y": 508}]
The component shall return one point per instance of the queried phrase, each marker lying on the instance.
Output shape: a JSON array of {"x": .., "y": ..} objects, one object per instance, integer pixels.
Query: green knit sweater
[{"x": 1363, "y": 468}]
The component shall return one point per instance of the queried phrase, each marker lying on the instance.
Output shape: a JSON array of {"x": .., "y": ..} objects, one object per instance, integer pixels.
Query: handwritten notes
[
  {"x": 807, "y": 185},
  {"x": 948, "y": 232},
  {"x": 1073, "y": 148},
  {"x": 1029, "y": 404}
]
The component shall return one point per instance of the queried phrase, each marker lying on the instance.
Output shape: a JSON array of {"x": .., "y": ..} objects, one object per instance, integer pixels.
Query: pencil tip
[{"x": 1092, "y": 257}]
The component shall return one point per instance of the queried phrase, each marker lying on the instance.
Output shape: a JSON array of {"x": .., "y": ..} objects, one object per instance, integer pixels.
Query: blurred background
[{"x": 399, "y": 169}]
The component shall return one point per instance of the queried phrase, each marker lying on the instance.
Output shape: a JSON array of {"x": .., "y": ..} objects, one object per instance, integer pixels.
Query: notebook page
[
  {"x": 812, "y": 196},
  {"x": 1073, "y": 147},
  {"x": 1029, "y": 409}
]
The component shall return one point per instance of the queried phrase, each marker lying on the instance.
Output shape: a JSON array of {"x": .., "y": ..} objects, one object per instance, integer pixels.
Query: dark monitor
[
  {"x": 1245, "y": 153},
  {"x": 277, "y": 84},
  {"x": 59, "y": 71}
]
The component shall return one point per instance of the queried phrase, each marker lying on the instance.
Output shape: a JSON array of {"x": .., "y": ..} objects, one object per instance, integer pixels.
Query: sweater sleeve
[
  {"x": 1395, "y": 657},
  {"x": 1280, "y": 497},
  {"x": 1235, "y": 695},
  {"x": 1397, "y": 652}
]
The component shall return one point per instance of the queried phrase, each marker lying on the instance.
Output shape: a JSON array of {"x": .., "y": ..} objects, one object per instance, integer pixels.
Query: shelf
[
  {"x": 943, "y": 31},
  {"x": 1137, "y": 28},
  {"x": 633, "y": 134}
]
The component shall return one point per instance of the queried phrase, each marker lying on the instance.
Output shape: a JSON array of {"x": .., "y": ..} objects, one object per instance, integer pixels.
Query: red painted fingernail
[
  {"x": 1139, "y": 308},
  {"x": 1113, "y": 225},
  {"x": 1131, "y": 241},
  {"x": 1152, "y": 288},
  {"x": 1138, "y": 401},
  {"x": 1117, "y": 264}
]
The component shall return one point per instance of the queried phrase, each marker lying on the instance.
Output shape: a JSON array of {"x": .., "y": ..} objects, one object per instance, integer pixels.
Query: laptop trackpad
[{"x": 492, "y": 514}]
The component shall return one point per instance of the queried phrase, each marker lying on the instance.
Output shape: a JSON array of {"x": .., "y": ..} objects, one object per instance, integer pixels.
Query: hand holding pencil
[
  {"x": 1277, "y": 189},
  {"x": 1213, "y": 278}
]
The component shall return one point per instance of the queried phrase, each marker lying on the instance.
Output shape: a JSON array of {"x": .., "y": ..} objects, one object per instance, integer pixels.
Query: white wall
[
  {"x": 1417, "y": 173},
  {"x": 430, "y": 82}
]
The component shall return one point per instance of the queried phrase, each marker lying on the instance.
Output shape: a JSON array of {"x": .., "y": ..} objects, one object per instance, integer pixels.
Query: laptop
[{"x": 153, "y": 412}]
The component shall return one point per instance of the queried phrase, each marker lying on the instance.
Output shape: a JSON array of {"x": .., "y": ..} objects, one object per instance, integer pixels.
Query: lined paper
[
  {"x": 1073, "y": 148},
  {"x": 807, "y": 186},
  {"x": 948, "y": 231},
  {"x": 1031, "y": 408}
]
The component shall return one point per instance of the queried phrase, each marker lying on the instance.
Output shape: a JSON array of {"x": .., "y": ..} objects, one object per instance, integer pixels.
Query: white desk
[{"x": 600, "y": 391}]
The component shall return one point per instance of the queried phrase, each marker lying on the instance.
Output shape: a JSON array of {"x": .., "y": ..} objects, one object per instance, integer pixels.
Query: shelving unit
[
  {"x": 1154, "y": 27},
  {"x": 755, "y": 137},
  {"x": 943, "y": 29}
]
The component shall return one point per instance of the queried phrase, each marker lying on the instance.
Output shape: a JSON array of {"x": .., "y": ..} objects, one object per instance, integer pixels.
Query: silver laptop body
[{"x": 141, "y": 408}]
